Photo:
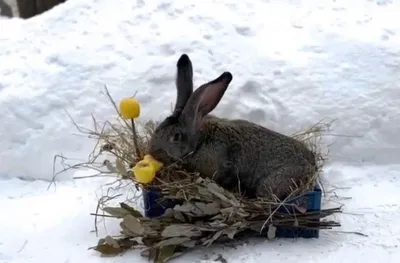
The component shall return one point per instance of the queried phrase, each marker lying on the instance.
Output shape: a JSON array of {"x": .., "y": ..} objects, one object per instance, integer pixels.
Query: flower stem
[{"x": 135, "y": 141}]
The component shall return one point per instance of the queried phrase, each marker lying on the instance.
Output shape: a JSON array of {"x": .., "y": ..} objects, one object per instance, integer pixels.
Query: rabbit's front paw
[{"x": 227, "y": 176}]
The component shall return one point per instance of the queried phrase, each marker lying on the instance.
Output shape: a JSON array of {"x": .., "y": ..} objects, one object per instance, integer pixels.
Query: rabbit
[{"x": 237, "y": 154}]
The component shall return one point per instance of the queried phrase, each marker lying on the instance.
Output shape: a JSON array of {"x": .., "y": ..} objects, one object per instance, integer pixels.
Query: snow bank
[{"x": 292, "y": 64}]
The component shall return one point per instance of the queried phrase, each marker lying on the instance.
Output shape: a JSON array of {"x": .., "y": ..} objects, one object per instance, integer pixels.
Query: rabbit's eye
[{"x": 176, "y": 137}]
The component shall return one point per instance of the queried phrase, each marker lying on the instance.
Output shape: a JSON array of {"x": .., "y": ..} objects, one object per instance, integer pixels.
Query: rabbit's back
[{"x": 253, "y": 155}]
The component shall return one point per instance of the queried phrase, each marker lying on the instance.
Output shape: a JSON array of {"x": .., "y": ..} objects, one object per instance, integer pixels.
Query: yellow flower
[
  {"x": 145, "y": 170},
  {"x": 129, "y": 108}
]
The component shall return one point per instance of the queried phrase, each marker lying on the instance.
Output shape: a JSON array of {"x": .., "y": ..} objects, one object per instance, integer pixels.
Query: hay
[{"x": 207, "y": 213}]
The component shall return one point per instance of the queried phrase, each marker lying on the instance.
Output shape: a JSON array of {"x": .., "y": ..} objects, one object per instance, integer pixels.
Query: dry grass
[{"x": 207, "y": 213}]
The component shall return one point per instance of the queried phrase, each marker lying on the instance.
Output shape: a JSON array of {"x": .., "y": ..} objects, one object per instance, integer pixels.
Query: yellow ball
[{"x": 129, "y": 108}]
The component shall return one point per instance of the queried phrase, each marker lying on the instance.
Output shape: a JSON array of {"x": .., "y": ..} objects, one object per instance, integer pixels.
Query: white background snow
[{"x": 294, "y": 63}]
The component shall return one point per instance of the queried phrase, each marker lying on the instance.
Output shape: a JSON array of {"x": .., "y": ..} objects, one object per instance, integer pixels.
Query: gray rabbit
[{"x": 237, "y": 154}]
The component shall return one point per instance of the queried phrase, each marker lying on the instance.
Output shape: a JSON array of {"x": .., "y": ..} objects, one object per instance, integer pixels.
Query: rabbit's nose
[{"x": 157, "y": 153}]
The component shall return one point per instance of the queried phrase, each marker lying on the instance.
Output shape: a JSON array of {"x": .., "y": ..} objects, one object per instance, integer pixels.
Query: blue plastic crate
[
  {"x": 311, "y": 201},
  {"x": 154, "y": 206}
]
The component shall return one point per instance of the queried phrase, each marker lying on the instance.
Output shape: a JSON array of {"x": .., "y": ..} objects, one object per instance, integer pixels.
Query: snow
[{"x": 294, "y": 63}]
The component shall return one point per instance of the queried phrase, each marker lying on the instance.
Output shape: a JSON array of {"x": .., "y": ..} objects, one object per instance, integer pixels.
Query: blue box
[
  {"x": 153, "y": 205},
  {"x": 311, "y": 201}
]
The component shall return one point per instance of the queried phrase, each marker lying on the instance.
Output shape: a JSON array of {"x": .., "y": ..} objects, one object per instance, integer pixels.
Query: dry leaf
[
  {"x": 110, "y": 167},
  {"x": 179, "y": 216},
  {"x": 106, "y": 249},
  {"x": 256, "y": 226},
  {"x": 218, "y": 224},
  {"x": 149, "y": 241},
  {"x": 168, "y": 213},
  {"x": 189, "y": 244},
  {"x": 242, "y": 213},
  {"x": 108, "y": 246},
  {"x": 131, "y": 210},
  {"x": 221, "y": 194},
  {"x": 230, "y": 232},
  {"x": 121, "y": 167},
  {"x": 198, "y": 209},
  {"x": 162, "y": 254},
  {"x": 101, "y": 241},
  {"x": 228, "y": 210},
  {"x": 208, "y": 209},
  {"x": 301, "y": 209},
  {"x": 214, "y": 188},
  {"x": 204, "y": 193},
  {"x": 127, "y": 243},
  {"x": 133, "y": 225},
  {"x": 217, "y": 217},
  {"x": 181, "y": 230},
  {"x": 172, "y": 241},
  {"x": 213, "y": 238},
  {"x": 165, "y": 254},
  {"x": 184, "y": 208},
  {"x": 220, "y": 259},
  {"x": 232, "y": 198},
  {"x": 145, "y": 253},
  {"x": 271, "y": 231},
  {"x": 199, "y": 180},
  {"x": 117, "y": 212},
  {"x": 238, "y": 224},
  {"x": 111, "y": 241}
]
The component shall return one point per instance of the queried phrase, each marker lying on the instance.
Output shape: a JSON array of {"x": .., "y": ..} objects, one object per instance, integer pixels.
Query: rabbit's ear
[
  {"x": 183, "y": 82},
  {"x": 207, "y": 97}
]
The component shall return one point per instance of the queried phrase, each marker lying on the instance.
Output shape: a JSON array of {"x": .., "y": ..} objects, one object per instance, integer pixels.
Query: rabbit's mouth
[
  {"x": 163, "y": 156},
  {"x": 166, "y": 156}
]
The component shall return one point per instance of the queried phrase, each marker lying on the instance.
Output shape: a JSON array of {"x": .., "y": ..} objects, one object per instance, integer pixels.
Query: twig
[
  {"x": 351, "y": 232},
  {"x": 101, "y": 215}
]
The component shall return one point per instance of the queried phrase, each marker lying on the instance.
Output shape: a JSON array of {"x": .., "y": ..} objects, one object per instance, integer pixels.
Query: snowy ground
[{"x": 294, "y": 63}]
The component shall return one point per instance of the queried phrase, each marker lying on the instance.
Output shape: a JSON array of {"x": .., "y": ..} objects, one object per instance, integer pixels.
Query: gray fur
[{"x": 238, "y": 154}]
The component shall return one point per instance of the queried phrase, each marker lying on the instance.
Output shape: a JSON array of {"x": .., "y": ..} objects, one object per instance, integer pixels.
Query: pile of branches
[{"x": 206, "y": 213}]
